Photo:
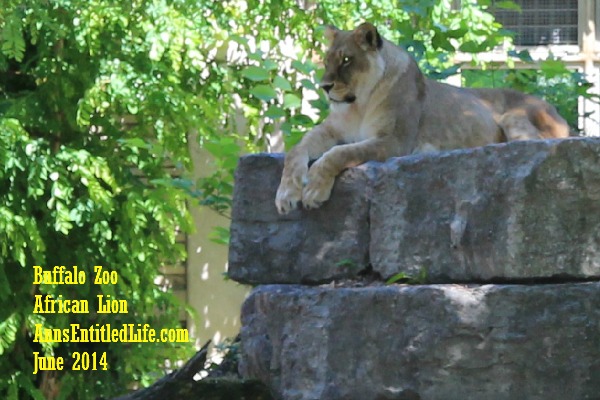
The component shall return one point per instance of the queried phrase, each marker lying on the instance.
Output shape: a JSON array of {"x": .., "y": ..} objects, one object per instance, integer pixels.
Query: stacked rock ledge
[
  {"x": 520, "y": 211},
  {"x": 315, "y": 246},
  {"x": 446, "y": 342},
  {"x": 491, "y": 227}
]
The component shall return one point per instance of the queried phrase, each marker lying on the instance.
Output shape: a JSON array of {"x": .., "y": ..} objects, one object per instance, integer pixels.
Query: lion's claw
[{"x": 287, "y": 199}]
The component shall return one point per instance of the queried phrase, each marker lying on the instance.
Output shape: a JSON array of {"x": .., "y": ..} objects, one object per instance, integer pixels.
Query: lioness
[{"x": 382, "y": 106}]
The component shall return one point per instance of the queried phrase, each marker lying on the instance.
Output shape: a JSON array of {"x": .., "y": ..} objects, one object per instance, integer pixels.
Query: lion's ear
[
  {"x": 367, "y": 37},
  {"x": 330, "y": 33}
]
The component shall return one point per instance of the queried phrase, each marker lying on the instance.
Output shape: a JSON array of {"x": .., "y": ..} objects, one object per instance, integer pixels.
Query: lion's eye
[{"x": 346, "y": 60}]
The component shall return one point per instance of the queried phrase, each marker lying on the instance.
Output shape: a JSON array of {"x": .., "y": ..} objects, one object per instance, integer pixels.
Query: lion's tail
[{"x": 549, "y": 123}]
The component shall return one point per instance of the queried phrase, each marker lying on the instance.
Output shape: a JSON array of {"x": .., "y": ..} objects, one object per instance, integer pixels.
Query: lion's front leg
[
  {"x": 295, "y": 171},
  {"x": 321, "y": 175},
  {"x": 319, "y": 184}
]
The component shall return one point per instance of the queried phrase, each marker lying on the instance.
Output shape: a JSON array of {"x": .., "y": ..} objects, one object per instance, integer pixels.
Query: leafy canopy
[{"x": 96, "y": 101}]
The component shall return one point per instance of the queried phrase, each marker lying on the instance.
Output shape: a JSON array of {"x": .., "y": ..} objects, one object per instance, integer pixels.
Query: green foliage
[
  {"x": 95, "y": 99},
  {"x": 402, "y": 277}
]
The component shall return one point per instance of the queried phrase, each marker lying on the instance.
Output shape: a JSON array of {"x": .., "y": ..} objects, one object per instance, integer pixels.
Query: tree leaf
[
  {"x": 470, "y": 47},
  {"x": 275, "y": 112},
  {"x": 282, "y": 83},
  {"x": 291, "y": 101},
  {"x": 134, "y": 142},
  {"x": 256, "y": 73},
  {"x": 440, "y": 41},
  {"x": 13, "y": 43},
  {"x": 305, "y": 67},
  {"x": 553, "y": 68},
  {"x": 263, "y": 92},
  {"x": 308, "y": 84},
  {"x": 397, "y": 277}
]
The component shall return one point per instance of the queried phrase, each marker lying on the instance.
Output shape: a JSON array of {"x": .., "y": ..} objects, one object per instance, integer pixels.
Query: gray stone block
[
  {"x": 447, "y": 342},
  {"x": 304, "y": 246},
  {"x": 512, "y": 212},
  {"x": 516, "y": 211}
]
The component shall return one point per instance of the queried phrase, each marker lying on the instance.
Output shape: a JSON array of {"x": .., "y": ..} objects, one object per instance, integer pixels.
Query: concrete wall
[{"x": 216, "y": 301}]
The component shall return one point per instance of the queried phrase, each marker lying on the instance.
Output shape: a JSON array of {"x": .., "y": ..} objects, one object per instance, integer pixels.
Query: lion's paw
[
  {"x": 317, "y": 191},
  {"x": 288, "y": 197}
]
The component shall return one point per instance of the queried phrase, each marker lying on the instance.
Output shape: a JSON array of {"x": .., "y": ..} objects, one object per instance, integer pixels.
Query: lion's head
[{"x": 351, "y": 62}]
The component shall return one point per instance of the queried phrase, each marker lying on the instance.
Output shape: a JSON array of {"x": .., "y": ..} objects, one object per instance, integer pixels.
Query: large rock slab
[
  {"x": 304, "y": 246},
  {"x": 447, "y": 342},
  {"x": 517, "y": 211},
  {"x": 512, "y": 212}
]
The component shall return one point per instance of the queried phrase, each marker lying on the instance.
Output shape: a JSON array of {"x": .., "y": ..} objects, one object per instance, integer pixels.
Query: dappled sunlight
[
  {"x": 204, "y": 274},
  {"x": 469, "y": 303},
  {"x": 590, "y": 264}
]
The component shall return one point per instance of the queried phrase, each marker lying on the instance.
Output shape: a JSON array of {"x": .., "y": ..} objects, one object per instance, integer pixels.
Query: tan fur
[{"x": 382, "y": 106}]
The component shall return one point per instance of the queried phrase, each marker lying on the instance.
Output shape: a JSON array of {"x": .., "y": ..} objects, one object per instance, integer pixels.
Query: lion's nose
[{"x": 327, "y": 86}]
